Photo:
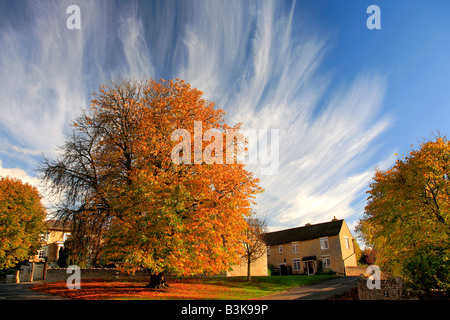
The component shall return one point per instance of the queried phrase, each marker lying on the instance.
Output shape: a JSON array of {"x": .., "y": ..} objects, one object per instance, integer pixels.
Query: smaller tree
[
  {"x": 21, "y": 221},
  {"x": 367, "y": 257},
  {"x": 254, "y": 246}
]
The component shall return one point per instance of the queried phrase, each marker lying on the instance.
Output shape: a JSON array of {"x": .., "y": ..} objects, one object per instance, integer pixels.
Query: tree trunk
[
  {"x": 248, "y": 269},
  {"x": 157, "y": 281}
]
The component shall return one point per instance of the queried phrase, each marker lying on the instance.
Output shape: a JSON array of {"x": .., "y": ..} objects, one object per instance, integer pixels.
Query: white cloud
[
  {"x": 323, "y": 154},
  {"x": 258, "y": 61},
  {"x": 18, "y": 173},
  {"x": 132, "y": 36},
  {"x": 21, "y": 174},
  {"x": 41, "y": 80}
]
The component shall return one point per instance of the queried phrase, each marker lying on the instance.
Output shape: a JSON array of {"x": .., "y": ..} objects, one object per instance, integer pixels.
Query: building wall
[
  {"x": 54, "y": 241},
  {"x": 257, "y": 268},
  {"x": 305, "y": 248},
  {"x": 348, "y": 254}
]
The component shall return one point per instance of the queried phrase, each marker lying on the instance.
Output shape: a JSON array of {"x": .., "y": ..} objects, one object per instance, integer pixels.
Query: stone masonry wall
[
  {"x": 392, "y": 289},
  {"x": 92, "y": 273},
  {"x": 355, "y": 271}
]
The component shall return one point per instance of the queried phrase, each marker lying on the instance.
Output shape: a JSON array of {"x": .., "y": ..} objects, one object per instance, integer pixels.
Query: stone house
[
  {"x": 307, "y": 249},
  {"x": 57, "y": 232}
]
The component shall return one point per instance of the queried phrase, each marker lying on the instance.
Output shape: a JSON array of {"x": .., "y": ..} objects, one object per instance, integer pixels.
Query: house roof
[
  {"x": 307, "y": 232},
  {"x": 58, "y": 224}
]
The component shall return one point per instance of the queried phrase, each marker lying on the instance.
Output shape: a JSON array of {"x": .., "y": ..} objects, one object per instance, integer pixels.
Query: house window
[
  {"x": 296, "y": 265},
  {"x": 280, "y": 249},
  {"x": 66, "y": 236},
  {"x": 42, "y": 253},
  {"x": 294, "y": 247},
  {"x": 326, "y": 262},
  {"x": 324, "y": 243},
  {"x": 268, "y": 250},
  {"x": 44, "y": 237},
  {"x": 347, "y": 243}
]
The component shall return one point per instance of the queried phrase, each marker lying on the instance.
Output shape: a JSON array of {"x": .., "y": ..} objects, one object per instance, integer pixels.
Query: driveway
[
  {"x": 317, "y": 291},
  {"x": 22, "y": 291}
]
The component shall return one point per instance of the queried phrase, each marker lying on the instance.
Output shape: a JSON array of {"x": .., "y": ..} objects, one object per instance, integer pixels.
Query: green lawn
[{"x": 260, "y": 286}]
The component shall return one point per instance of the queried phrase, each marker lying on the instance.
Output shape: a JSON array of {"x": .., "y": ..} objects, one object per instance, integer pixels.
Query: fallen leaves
[{"x": 101, "y": 289}]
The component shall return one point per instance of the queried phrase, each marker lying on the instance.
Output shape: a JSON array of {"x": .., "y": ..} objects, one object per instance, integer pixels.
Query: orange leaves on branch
[{"x": 164, "y": 216}]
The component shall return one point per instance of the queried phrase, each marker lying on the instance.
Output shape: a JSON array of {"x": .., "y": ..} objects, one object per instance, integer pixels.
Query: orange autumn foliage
[{"x": 186, "y": 219}]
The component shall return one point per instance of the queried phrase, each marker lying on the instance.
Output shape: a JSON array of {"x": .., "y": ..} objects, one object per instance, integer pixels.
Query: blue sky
[{"x": 346, "y": 99}]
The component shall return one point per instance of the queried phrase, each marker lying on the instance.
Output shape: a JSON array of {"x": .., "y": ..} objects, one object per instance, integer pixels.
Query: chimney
[{"x": 334, "y": 219}]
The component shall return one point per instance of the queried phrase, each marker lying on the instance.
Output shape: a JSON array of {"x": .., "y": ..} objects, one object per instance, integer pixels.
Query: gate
[{"x": 38, "y": 272}]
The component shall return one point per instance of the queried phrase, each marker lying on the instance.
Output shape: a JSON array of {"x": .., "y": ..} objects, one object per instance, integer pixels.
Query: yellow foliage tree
[
  {"x": 408, "y": 209},
  {"x": 21, "y": 221}
]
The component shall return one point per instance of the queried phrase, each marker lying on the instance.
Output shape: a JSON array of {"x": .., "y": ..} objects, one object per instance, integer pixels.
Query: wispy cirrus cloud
[
  {"x": 326, "y": 136},
  {"x": 41, "y": 80},
  {"x": 48, "y": 72},
  {"x": 132, "y": 37},
  {"x": 260, "y": 61}
]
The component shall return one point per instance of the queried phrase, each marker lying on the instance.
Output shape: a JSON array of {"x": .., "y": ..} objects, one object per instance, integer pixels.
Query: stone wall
[
  {"x": 25, "y": 274},
  {"x": 93, "y": 273},
  {"x": 355, "y": 271},
  {"x": 391, "y": 289}
]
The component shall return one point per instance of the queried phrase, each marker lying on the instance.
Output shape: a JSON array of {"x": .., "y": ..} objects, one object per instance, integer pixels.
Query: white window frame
[
  {"x": 296, "y": 264},
  {"x": 324, "y": 244},
  {"x": 42, "y": 253},
  {"x": 347, "y": 242},
  {"x": 326, "y": 261},
  {"x": 66, "y": 235},
  {"x": 280, "y": 249},
  {"x": 44, "y": 236},
  {"x": 294, "y": 247},
  {"x": 268, "y": 250}
]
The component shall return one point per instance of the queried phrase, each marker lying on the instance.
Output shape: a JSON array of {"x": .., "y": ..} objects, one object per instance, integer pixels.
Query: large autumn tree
[
  {"x": 22, "y": 218},
  {"x": 407, "y": 216},
  {"x": 119, "y": 179}
]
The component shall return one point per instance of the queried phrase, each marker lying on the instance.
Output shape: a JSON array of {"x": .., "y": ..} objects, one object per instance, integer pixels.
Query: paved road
[
  {"x": 317, "y": 291},
  {"x": 21, "y": 291}
]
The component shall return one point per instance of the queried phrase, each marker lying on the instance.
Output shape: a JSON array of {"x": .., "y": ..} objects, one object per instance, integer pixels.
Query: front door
[
  {"x": 309, "y": 267},
  {"x": 283, "y": 270}
]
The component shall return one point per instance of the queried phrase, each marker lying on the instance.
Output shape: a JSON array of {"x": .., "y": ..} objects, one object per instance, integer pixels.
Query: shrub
[
  {"x": 428, "y": 269},
  {"x": 271, "y": 269}
]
